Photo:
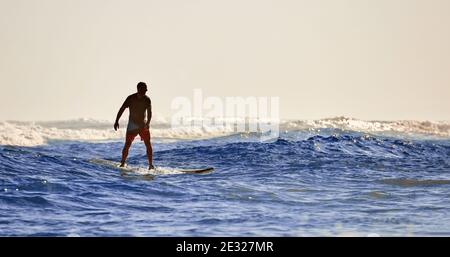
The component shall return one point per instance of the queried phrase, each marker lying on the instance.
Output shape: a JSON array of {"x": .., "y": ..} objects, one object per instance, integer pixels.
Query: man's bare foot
[
  {"x": 122, "y": 164},
  {"x": 151, "y": 167}
]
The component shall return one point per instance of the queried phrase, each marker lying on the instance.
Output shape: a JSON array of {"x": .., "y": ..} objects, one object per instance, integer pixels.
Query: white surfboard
[{"x": 158, "y": 170}]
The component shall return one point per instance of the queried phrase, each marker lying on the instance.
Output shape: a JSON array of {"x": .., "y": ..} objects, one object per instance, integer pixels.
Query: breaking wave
[{"x": 27, "y": 133}]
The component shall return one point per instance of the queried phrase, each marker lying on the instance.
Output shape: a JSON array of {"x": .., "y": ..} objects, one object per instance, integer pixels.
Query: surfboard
[{"x": 158, "y": 170}]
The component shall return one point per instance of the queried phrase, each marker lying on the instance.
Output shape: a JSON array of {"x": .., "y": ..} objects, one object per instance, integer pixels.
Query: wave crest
[
  {"x": 439, "y": 128},
  {"x": 27, "y": 133}
]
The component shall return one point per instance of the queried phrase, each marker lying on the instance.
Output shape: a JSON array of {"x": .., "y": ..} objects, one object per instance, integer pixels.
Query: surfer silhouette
[{"x": 138, "y": 103}]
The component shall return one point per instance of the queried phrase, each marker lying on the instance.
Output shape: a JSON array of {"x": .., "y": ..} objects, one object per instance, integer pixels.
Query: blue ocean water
[{"x": 332, "y": 183}]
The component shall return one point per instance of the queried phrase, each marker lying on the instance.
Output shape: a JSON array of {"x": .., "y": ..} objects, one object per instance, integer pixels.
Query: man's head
[{"x": 141, "y": 88}]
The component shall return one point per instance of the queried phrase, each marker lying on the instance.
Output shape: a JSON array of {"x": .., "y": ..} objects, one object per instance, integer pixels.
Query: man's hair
[{"x": 141, "y": 85}]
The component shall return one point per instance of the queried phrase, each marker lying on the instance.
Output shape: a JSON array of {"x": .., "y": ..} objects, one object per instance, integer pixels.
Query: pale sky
[{"x": 367, "y": 59}]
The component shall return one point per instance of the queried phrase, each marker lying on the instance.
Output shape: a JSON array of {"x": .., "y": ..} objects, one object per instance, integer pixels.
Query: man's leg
[
  {"x": 128, "y": 141},
  {"x": 148, "y": 145},
  {"x": 145, "y": 136}
]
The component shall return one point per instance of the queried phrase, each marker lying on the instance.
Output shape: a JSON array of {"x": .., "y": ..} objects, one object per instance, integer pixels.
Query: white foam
[
  {"x": 157, "y": 171},
  {"x": 21, "y": 133},
  {"x": 31, "y": 134},
  {"x": 437, "y": 128}
]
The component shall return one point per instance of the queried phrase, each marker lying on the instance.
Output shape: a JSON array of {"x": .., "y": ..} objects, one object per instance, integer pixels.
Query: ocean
[{"x": 330, "y": 177}]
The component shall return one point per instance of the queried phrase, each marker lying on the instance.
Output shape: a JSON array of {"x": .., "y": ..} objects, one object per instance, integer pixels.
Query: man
[{"x": 138, "y": 104}]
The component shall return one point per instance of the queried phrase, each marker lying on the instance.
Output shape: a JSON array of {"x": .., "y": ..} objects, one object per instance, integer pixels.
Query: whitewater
[{"x": 328, "y": 177}]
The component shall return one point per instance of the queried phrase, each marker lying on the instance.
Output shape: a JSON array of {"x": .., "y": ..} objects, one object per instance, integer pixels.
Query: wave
[
  {"x": 20, "y": 133},
  {"x": 409, "y": 127},
  {"x": 27, "y": 133}
]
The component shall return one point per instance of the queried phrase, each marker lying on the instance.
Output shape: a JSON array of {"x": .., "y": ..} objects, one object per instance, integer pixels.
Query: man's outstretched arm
[{"x": 119, "y": 114}]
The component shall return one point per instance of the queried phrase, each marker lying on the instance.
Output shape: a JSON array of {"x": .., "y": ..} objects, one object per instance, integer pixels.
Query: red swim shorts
[{"x": 144, "y": 133}]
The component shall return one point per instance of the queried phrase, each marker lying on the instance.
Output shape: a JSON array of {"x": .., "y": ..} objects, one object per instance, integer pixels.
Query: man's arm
[
  {"x": 119, "y": 114},
  {"x": 149, "y": 114}
]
